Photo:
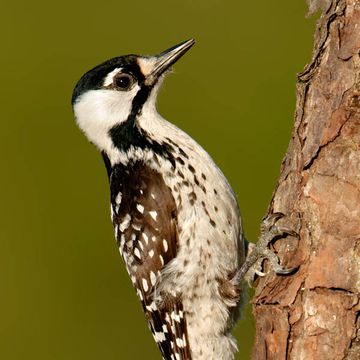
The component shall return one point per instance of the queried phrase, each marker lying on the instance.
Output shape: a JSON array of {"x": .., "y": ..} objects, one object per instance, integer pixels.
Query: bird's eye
[{"x": 124, "y": 82}]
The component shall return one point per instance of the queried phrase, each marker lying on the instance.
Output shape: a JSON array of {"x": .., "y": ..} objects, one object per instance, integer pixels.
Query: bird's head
[{"x": 112, "y": 95}]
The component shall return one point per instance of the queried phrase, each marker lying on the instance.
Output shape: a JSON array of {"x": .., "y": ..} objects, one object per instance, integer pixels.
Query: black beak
[{"x": 167, "y": 58}]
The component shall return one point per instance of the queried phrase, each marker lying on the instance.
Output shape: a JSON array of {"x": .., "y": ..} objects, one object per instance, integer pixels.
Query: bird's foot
[{"x": 269, "y": 231}]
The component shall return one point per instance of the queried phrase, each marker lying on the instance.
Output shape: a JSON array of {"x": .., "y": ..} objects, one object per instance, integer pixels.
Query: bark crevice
[{"x": 314, "y": 313}]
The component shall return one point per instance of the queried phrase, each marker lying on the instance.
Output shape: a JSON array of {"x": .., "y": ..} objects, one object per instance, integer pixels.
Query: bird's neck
[{"x": 132, "y": 142}]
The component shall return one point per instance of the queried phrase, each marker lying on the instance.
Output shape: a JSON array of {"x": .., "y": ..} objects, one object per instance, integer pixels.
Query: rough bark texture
[{"x": 314, "y": 313}]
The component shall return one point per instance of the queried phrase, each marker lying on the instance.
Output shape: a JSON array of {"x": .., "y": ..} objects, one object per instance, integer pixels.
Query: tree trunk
[{"x": 313, "y": 314}]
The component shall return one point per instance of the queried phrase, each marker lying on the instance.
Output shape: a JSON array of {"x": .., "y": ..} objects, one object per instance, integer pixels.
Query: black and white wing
[{"x": 145, "y": 221}]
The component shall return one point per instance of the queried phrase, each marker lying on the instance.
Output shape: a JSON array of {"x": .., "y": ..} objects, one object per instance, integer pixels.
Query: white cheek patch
[
  {"x": 97, "y": 111},
  {"x": 110, "y": 77},
  {"x": 146, "y": 64}
]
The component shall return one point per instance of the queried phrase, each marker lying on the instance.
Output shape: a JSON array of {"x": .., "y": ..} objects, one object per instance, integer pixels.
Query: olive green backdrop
[{"x": 64, "y": 292}]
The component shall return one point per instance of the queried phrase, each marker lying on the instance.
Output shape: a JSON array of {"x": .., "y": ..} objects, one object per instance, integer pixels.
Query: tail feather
[{"x": 169, "y": 328}]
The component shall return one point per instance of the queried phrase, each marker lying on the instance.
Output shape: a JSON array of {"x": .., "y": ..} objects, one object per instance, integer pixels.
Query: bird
[{"x": 176, "y": 218}]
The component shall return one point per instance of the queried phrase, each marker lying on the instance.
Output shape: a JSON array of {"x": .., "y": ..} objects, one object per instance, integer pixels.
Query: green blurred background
[{"x": 64, "y": 291}]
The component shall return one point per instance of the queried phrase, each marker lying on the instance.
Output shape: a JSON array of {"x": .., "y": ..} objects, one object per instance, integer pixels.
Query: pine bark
[{"x": 314, "y": 313}]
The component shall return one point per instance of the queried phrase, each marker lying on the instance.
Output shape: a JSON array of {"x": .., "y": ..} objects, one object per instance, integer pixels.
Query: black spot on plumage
[
  {"x": 191, "y": 168},
  {"x": 196, "y": 180},
  {"x": 180, "y": 160},
  {"x": 156, "y": 159},
  {"x": 174, "y": 214},
  {"x": 192, "y": 197},
  {"x": 181, "y": 174},
  {"x": 183, "y": 153},
  {"x": 171, "y": 141}
]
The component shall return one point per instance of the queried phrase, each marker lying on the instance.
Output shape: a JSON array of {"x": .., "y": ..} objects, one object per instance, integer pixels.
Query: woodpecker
[{"x": 176, "y": 219}]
